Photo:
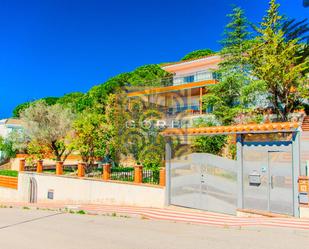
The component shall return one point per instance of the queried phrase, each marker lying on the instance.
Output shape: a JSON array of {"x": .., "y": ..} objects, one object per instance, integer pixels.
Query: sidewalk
[{"x": 174, "y": 214}]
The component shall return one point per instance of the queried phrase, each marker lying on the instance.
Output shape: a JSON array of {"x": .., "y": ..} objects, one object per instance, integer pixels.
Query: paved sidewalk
[{"x": 175, "y": 215}]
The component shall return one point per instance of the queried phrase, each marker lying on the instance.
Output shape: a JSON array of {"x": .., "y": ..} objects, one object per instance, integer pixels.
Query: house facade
[
  {"x": 181, "y": 102},
  {"x": 9, "y": 125}
]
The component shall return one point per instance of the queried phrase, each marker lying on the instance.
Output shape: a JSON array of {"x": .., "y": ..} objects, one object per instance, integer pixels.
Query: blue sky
[{"x": 53, "y": 47}]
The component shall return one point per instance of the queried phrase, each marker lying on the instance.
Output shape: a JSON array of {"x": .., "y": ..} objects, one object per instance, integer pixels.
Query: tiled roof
[
  {"x": 190, "y": 61},
  {"x": 248, "y": 128},
  {"x": 13, "y": 121}
]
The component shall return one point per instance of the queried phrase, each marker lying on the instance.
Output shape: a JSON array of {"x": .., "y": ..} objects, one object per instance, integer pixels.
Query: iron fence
[
  {"x": 151, "y": 176},
  {"x": 122, "y": 174},
  {"x": 68, "y": 169}
]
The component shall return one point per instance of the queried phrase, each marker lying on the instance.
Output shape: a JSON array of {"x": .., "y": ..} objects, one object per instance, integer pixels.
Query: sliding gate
[{"x": 204, "y": 181}]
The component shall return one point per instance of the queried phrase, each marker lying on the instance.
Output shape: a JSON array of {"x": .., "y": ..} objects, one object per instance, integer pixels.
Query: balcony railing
[
  {"x": 194, "y": 77},
  {"x": 189, "y": 109}
]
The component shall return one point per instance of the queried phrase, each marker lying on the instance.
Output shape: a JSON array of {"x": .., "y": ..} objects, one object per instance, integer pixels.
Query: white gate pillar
[
  {"x": 168, "y": 156},
  {"x": 296, "y": 171},
  {"x": 239, "y": 164}
]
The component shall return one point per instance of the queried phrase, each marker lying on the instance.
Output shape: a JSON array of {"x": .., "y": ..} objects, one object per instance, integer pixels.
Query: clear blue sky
[{"x": 53, "y": 47}]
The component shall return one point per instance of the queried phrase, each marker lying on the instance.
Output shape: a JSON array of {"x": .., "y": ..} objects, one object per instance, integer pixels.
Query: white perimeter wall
[
  {"x": 8, "y": 194},
  {"x": 84, "y": 191}
]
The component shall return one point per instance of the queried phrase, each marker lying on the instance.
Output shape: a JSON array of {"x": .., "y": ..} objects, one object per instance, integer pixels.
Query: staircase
[{"x": 305, "y": 125}]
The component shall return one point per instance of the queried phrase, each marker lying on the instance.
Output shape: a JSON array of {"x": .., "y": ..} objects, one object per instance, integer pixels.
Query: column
[
  {"x": 59, "y": 168},
  {"x": 81, "y": 170},
  {"x": 296, "y": 171},
  {"x": 22, "y": 164},
  {"x": 168, "y": 156},
  {"x": 106, "y": 171},
  {"x": 162, "y": 177},
  {"x": 239, "y": 164},
  {"x": 39, "y": 166},
  {"x": 138, "y": 174}
]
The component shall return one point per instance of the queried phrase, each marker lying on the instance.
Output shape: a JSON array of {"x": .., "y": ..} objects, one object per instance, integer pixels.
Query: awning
[{"x": 233, "y": 129}]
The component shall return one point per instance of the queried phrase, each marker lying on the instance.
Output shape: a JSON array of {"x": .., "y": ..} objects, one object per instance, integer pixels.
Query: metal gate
[
  {"x": 204, "y": 181},
  {"x": 267, "y": 178}
]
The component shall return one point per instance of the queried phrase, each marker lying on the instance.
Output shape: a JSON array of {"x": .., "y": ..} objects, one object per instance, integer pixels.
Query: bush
[
  {"x": 209, "y": 144},
  {"x": 198, "y": 54},
  {"x": 6, "y": 147}
]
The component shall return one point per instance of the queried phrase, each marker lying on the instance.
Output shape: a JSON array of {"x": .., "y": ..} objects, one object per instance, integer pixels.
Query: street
[{"x": 41, "y": 229}]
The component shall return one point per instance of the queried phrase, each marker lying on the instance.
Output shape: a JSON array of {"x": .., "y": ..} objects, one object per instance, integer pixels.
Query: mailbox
[
  {"x": 303, "y": 189},
  {"x": 50, "y": 194},
  {"x": 255, "y": 179}
]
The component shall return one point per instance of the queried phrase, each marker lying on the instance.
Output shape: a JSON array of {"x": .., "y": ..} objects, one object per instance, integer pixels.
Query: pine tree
[
  {"x": 275, "y": 62},
  {"x": 225, "y": 97}
]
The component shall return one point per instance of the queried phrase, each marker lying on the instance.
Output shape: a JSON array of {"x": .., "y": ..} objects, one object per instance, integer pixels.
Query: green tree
[
  {"x": 149, "y": 75},
  {"x": 19, "y": 108},
  {"x": 49, "y": 126},
  {"x": 73, "y": 100},
  {"x": 225, "y": 97},
  {"x": 92, "y": 136},
  {"x": 6, "y": 149},
  {"x": 134, "y": 130},
  {"x": 275, "y": 62},
  {"x": 198, "y": 54}
]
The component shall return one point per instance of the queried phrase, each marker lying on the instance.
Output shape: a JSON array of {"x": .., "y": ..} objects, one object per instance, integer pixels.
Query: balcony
[
  {"x": 188, "y": 110},
  {"x": 194, "y": 77}
]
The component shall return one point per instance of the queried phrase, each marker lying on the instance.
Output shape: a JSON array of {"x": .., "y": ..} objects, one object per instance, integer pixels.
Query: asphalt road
[{"x": 37, "y": 229}]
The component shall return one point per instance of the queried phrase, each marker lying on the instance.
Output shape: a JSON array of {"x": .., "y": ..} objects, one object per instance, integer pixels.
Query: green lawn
[{"x": 12, "y": 173}]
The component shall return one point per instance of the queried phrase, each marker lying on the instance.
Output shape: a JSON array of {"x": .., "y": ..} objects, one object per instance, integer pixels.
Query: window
[
  {"x": 189, "y": 79},
  {"x": 204, "y": 75}
]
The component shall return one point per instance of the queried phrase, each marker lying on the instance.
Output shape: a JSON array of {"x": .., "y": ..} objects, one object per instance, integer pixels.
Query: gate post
[
  {"x": 168, "y": 156},
  {"x": 239, "y": 164},
  {"x": 296, "y": 171},
  {"x": 22, "y": 163},
  {"x": 138, "y": 174},
  {"x": 106, "y": 171},
  {"x": 59, "y": 168},
  {"x": 162, "y": 177},
  {"x": 39, "y": 166},
  {"x": 81, "y": 170}
]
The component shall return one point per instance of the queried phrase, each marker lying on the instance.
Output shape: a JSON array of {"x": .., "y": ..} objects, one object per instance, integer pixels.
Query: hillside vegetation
[{"x": 95, "y": 98}]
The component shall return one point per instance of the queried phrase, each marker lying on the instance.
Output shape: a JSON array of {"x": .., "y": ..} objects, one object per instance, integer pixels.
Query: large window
[
  {"x": 188, "y": 79},
  {"x": 195, "y": 77}
]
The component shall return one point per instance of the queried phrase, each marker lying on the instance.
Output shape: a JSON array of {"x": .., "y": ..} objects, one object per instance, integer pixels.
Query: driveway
[{"x": 38, "y": 229}]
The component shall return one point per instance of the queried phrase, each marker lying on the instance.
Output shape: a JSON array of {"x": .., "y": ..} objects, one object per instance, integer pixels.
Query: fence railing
[
  {"x": 122, "y": 174},
  {"x": 127, "y": 174},
  {"x": 151, "y": 176}
]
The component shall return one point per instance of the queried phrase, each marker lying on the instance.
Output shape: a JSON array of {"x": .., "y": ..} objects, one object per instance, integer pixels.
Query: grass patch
[
  {"x": 26, "y": 208},
  {"x": 12, "y": 173}
]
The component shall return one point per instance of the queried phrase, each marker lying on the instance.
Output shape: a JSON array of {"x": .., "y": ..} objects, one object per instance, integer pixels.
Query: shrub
[{"x": 209, "y": 144}]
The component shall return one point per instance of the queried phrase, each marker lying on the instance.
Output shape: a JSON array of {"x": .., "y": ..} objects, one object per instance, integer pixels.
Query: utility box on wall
[{"x": 303, "y": 189}]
